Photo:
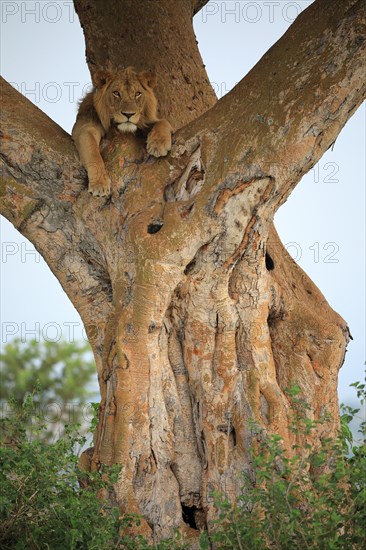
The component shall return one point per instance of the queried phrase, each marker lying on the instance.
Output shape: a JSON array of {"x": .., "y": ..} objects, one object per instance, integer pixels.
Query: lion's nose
[{"x": 129, "y": 114}]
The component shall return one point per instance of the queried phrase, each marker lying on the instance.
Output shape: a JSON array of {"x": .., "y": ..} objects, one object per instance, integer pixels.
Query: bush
[
  {"x": 315, "y": 502},
  {"x": 41, "y": 503}
]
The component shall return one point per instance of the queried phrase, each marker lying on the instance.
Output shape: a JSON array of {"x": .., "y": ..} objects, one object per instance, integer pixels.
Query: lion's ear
[
  {"x": 101, "y": 77},
  {"x": 149, "y": 78}
]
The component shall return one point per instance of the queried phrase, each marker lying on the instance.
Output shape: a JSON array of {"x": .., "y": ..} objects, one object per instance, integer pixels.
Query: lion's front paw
[
  {"x": 159, "y": 142},
  {"x": 100, "y": 188}
]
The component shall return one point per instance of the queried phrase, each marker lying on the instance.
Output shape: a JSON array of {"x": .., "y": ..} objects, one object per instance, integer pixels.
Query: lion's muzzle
[
  {"x": 126, "y": 121},
  {"x": 127, "y": 127}
]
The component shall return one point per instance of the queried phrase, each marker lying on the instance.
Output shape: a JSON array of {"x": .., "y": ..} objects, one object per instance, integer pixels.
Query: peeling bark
[{"x": 197, "y": 316}]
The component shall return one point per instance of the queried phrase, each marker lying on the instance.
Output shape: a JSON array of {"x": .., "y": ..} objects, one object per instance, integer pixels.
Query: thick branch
[
  {"x": 27, "y": 130},
  {"x": 40, "y": 186},
  {"x": 281, "y": 118}
]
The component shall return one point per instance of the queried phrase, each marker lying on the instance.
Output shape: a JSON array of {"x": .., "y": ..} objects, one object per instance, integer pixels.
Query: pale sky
[{"x": 322, "y": 224}]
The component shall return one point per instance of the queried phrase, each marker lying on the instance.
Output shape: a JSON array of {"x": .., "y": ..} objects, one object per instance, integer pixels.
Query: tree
[
  {"x": 197, "y": 316},
  {"x": 63, "y": 371}
]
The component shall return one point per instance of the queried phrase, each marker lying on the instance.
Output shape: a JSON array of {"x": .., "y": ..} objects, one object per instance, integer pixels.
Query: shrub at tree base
[
  {"x": 42, "y": 505},
  {"x": 316, "y": 502}
]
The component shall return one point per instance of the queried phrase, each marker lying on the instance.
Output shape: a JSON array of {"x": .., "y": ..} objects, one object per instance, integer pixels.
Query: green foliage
[
  {"x": 61, "y": 370},
  {"x": 42, "y": 504},
  {"x": 314, "y": 500}
]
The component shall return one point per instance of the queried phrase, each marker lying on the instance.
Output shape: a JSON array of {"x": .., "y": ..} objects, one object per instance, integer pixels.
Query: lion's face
[{"x": 125, "y": 99}]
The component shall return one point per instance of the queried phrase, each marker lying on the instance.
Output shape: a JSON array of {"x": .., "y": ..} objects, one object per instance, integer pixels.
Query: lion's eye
[
  {"x": 138, "y": 94},
  {"x": 116, "y": 94}
]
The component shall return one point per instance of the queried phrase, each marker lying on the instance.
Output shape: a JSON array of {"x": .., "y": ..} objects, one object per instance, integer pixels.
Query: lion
[{"x": 124, "y": 99}]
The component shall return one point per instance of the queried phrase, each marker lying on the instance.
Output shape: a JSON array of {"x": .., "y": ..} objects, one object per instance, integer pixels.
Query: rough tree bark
[{"x": 197, "y": 316}]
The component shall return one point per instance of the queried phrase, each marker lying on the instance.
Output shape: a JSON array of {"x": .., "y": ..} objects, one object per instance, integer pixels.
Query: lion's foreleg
[
  {"x": 87, "y": 141},
  {"x": 159, "y": 140}
]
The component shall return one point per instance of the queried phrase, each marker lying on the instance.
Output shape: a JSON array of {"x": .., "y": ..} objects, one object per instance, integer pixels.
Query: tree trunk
[{"x": 198, "y": 318}]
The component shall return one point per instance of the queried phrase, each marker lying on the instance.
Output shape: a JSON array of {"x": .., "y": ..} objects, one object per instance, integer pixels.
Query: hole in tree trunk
[
  {"x": 188, "y": 515},
  {"x": 233, "y": 437},
  {"x": 190, "y": 267},
  {"x": 154, "y": 227},
  {"x": 269, "y": 262}
]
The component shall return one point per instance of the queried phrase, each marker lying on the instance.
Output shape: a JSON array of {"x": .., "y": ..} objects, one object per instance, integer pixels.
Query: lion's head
[{"x": 125, "y": 99}]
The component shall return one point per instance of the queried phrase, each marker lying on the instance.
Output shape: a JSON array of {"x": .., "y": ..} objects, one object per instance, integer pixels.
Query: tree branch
[
  {"x": 42, "y": 189},
  {"x": 281, "y": 118},
  {"x": 36, "y": 153}
]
